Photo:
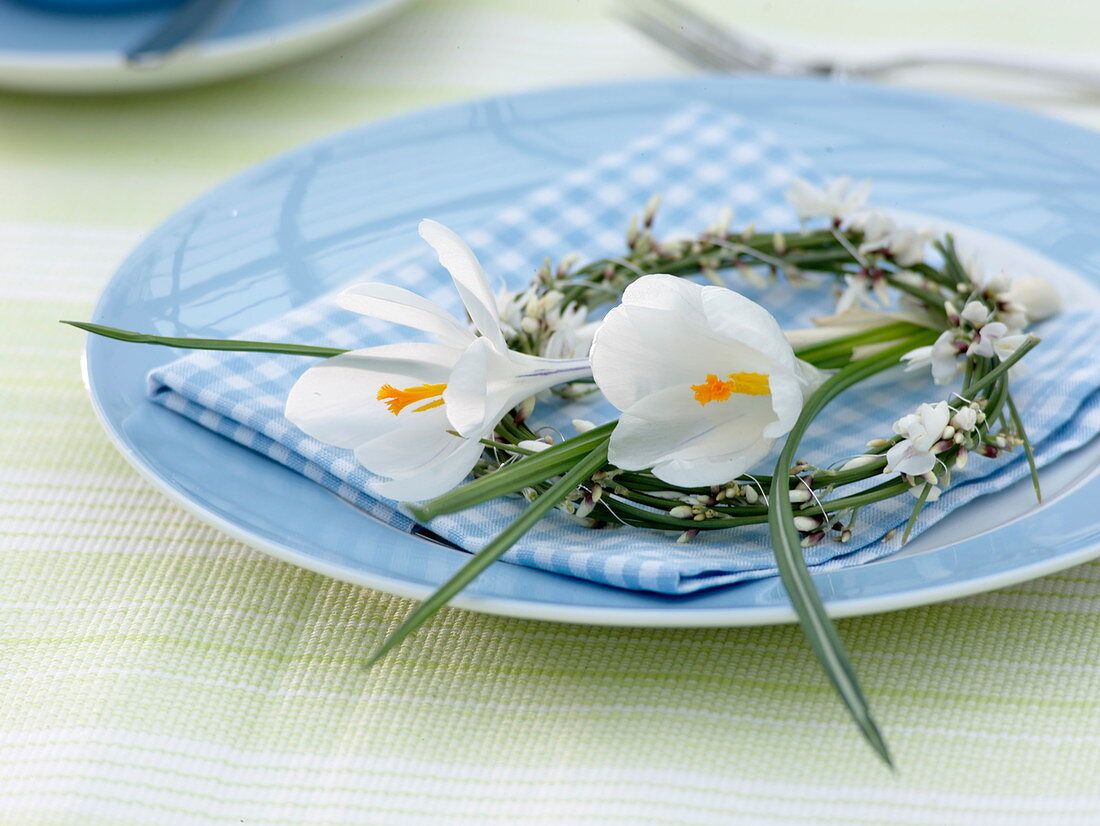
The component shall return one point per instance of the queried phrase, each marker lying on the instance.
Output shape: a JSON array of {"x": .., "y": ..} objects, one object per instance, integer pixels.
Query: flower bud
[
  {"x": 681, "y": 512},
  {"x": 582, "y": 425},
  {"x": 812, "y": 539},
  {"x": 961, "y": 457},
  {"x": 526, "y": 408},
  {"x": 1036, "y": 296},
  {"x": 975, "y": 312},
  {"x": 858, "y": 462},
  {"x": 800, "y": 495},
  {"x": 534, "y": 445},
  {"x": 965, "y": 419},
  {"x": 805, "y": 524}
]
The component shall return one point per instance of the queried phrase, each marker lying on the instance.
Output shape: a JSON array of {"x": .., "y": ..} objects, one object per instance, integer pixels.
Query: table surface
[{"x": 153, "y": 670}]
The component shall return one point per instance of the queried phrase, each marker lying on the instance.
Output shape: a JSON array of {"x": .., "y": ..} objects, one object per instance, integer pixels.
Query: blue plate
[
  {"x": 49, "y": 49},
  {"x": 302, "y": 224}
]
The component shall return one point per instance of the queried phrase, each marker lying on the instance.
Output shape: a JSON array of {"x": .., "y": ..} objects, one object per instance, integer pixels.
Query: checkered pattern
[{"x": 699, "y": 161}]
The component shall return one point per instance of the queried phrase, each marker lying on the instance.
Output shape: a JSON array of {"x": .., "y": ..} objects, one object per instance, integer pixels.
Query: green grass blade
[
  {"x": 987, "y": 380},
  {"x": 842, "y": 345},
  {"x": 595, "y": 460},
  {"x": 819, "y": 629},
  {"x": 526, "y": 472},
  {"x": 927, "y": 489},
  {"x": 1018, "y": 424},
  {"x": 232, "y": 345}
]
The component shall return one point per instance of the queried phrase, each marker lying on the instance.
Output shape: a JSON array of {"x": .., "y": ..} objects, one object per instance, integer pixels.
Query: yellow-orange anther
[
  {"x": 397, "y": 400},
  {"x": 716, "y": 390}
]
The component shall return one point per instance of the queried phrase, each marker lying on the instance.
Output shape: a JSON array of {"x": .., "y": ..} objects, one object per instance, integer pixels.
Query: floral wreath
[{"x": 705, "y": 380}]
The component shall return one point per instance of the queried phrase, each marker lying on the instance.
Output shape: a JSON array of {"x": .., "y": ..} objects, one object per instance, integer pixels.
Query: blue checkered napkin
[{"x": 700, "y": 160}]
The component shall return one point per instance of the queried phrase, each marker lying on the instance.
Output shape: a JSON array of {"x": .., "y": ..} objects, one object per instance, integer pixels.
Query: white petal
[
  {"x": 671, "y": 333},
  {"x": 422, "y": 440},
  {"x": 661, "y": 291},
  {"x": 437, "y": 478},
  {"x": 466, "y": 395},
  {"x": 470, "y": 281},
  {"x": 806, "y": 198},
  {"x": 400, "y": 306},
  {"x": 788, "y": 392},
  {"x": 688, "y": 444},
  {"x": 1037, "y": 296},
  {"x": 1005, "y": 346},
  {"x": 336, "y": 401},
  {"x": 485, "y": 384},
  {"x": 905, "y": 458},
  {"x": 638, "y": 350},
  {"x": 986, "y": 338},
  {"x": 732, "y": 315},
  {"x": 975, "y": 312}
]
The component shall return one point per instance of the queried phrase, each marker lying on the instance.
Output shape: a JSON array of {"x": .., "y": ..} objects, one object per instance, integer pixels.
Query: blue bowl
[{"x": 108, "y": 6}]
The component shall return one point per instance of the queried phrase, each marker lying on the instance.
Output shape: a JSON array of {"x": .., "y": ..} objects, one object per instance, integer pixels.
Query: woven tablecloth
[{"x": 152, "y": 670}]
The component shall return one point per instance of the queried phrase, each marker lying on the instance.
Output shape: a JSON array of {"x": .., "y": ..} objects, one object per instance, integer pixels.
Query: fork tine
[
  {"x": 674, "y": 41},
  {"x": 694, "y": 47},
  {"x": 722, "y": 40}
]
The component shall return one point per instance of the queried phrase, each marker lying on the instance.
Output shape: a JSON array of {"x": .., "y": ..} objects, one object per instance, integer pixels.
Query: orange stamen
[
  {"x": 397, "y": 400},
  {"x": 716, "y": 390}
]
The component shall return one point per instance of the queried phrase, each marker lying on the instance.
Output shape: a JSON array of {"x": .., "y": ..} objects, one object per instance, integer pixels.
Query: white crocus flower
[
  {"x": 942, "y": 357},
  {"x": 704, "y": 378},
  {"x": 1036, "y": 296},
  {"x": 414, "y": 412},
  {"x": 837, "y": 200},
  {"x": 915, "y": 453}
]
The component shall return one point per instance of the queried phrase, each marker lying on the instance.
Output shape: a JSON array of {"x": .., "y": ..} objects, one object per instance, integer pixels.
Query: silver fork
[{"x": 710, "y": 44}]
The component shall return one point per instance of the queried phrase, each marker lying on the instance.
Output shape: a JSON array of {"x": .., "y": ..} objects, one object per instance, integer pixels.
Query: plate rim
[
  {"x": 663, "y": 616},
  {"x": 206, "y": 61}
]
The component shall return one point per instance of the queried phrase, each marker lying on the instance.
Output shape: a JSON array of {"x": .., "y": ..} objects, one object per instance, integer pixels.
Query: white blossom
[
  {"x": 704, "y": 378},
  {"x": 414, "y": 412},
  {"x": 942, "y": 356},
  {"x": 837, "y": 200},
  {"x": 1038, "y": 299},
  {"x": 881, "y": 234},
  {"x": 976, "y": 313},
  {"x": 915, "y": 453},
  {"x": 965, "y": 419}
]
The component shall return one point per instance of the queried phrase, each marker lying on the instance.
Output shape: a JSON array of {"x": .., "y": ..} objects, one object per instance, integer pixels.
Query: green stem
[
  {"x": 819, "y": 629},
  {"x": 230, "y": 344},
  {"x": 580, "y": 471},
  {"x": 522, "y": 474}
]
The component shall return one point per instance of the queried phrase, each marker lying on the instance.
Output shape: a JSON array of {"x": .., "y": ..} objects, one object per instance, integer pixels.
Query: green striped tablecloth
[{"x": 153, "y": 671}]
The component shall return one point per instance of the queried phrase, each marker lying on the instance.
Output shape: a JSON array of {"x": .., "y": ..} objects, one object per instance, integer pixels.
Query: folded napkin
[{"x": 699, "y": 160}]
